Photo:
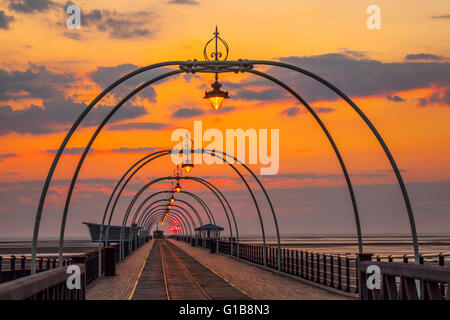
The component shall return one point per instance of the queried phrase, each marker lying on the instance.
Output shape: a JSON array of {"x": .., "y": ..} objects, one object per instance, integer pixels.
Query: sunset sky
[{"x": 398, "y": 75}]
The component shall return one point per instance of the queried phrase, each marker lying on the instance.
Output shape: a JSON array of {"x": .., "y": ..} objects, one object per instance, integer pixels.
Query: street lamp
[
  {"x": 187, "y": 166},
  {"x": 172, "y": 199},
  {"x": 216, "y": 95},
  {"x": 178, "y": 187}
]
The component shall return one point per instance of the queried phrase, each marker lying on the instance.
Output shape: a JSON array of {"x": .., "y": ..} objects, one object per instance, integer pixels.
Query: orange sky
[{"x": 417, "y": 135}]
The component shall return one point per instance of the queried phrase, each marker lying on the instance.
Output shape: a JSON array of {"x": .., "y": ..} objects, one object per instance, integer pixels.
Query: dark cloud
[
  {"x": 440, "y": 97},
  {"x": 31, "y": 6},
  {"x": 187, "y": 113},
  {"x": 35, "y": 82},
  {"x": 57, "y": 115},
  {"x": 356, "y": 77},
  {"x": 423, "y": 56},
  {"x": 324, "y": 109},
  {"x": 138, "y": 126},
  {"x": 290, "y": 112},
  {"x": 5, "y": 20},
  {"x": 72, "y": 35},
  {"x": 104, "y": 76},
  {"x": 354, "y": 54},
  {"x": 134, "y": 150},
  {"x": 120, "y": 25},
  {"x": 293, "y": 111},
  {"x": 70, "y": 151},
  {"x": 189, "y": 2},
  {"x": 224, "y": 109},
  {"x": 7, "y": 155},
  {"x": 395, "y": 98},
  {"x": 264, "y": 95},
  {"x": 447, "y": 16}
]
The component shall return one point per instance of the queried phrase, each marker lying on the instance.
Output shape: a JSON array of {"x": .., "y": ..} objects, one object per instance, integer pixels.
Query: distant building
[
  {"x": 158, "y": 234},
  {"x": 208, "y": 231}
]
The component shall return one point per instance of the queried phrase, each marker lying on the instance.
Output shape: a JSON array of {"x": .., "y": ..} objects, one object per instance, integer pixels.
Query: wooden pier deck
[{"x": 170, "y": 273}]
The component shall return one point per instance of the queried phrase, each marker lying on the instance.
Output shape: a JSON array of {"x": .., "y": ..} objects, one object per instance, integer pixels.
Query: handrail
[{"x": 30, "y": 286}]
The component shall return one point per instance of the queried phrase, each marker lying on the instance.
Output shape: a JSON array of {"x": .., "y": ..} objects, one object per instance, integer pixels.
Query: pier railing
[
  {"x": 401, "y": 281},
  {"x": 46, "y": 285},
  {"x": 15, "y": 267},
  {"x": 337, "y": 271}
]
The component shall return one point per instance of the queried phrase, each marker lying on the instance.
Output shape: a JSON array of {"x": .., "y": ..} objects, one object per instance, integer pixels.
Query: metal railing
[
  {"x": 336, "y": 271},
  {"x": 14, "y": 267},
  {"x": 401, "y": 281},
  {"x": 46, "y": 285}
]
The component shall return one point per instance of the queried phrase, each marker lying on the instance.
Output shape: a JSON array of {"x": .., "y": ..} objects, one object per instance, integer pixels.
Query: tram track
[{"x": 176, "y": 287}]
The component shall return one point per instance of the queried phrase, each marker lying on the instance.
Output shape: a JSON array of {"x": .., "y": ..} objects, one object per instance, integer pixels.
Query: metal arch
[
  {"x": 160, "y": 214},
  {"x": 173, "y": 206},
  {"x": 66, "y": 140},
  {"x": 155, "y": 156},
  {"x": 236, "y": 66},
  {"x": 191, "y": 230},
  {"x": 88, "y": 146},
  {"x": 202, "y": 181},
  {"x": 194, "y": 196},
  {"x": 136, "y": 214},
  {"x": 148, "y": 213},
  {"x": 375, "y": 133},
  {"x": 333, "y": 145},
  {"x": 154, "y": 218},
  {"x": 153, "y": 221},
  {"x": 80, "y": 163},
  {"x": 178, "y": 214},
  {"x": 162, "y": 192},
  {"x": 178, "y": 209},
  {"x": 213, "y": 153},
  {"x": 144, "y": 188}
]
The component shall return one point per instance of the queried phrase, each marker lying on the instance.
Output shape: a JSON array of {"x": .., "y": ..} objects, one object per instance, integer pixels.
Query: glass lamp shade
[
  {"x": 216, "y": 102},
  {"x": 216, "y": 96},
  {"x": 178, "y": 188},
  {"x": 172, "y": 199},
  {"x": 187, "y": 167}
]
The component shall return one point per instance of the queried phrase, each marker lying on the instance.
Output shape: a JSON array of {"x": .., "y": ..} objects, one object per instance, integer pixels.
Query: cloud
[
  {"x": 7, "y": 155},
  {"x": 264, "y": 95},
  {"x": 57, "y": 115},
  {"x": 324, "y": 109},
  {"x": 120, "y": 25},
  {"x": 134, "y": 150},
  {"x": 424, "y": 56},
  {"x": 290, "y": 112},
  {"x": 189, "y": 2},
  {"x": 138, "y": 126},
  {"x": 31, "y": 6},
  {"x": 447, "y": 16},
  {"x": 5, "y": 20},
  {"x": 104, "y": 76},
  {"x": 293, "y": 111},
  {"x": 224, "y": 109},
  {"x": 357, "y": 77},
  {"x": 441, "y": 97},
  {"x": 395, "y": 98},
  {"x": 187, "y": 113},
  {"x": 73, "y": 36},
  {"x": 35, "y": 82},
  {"x": 70, "y": 151}
]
